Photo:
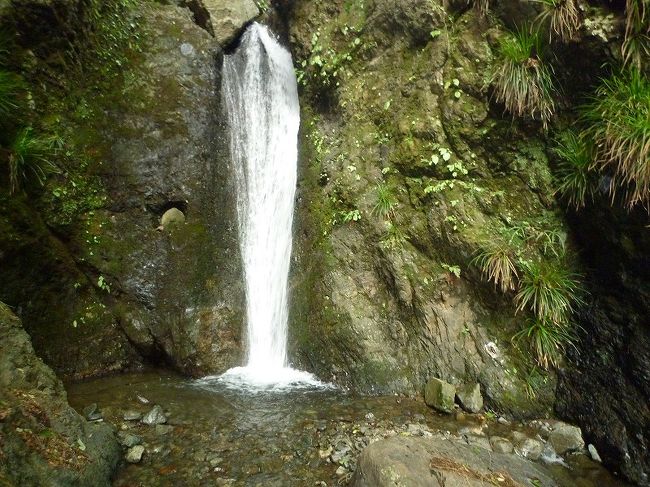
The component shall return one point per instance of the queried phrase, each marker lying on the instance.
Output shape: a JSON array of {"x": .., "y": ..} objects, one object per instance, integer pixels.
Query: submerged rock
[
  {"x": 155, "y": 416},
  {"x": 440, "y": 395},
  {"x": 529, "y": 448},
  {"x": 134, "y": 454},
  {"x": 593, "y": 453},
  {"x": 92, "y": 413},
  {"x": 132, "y": 415},
  {"x": 173, "y": 216},
  {"x": 128, "y": 440},
  {"x": 501, "y": 445}
]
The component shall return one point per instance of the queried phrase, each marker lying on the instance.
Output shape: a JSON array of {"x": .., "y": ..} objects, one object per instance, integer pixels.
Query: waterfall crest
[{"x": 260, "y": 93}]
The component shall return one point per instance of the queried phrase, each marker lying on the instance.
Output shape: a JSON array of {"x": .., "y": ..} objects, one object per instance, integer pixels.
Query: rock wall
[
  {"x": 111, "y": 277},
  {"x": 607, "y": 389},
  {"x": 396, "y": 102},
  {"x": 43, "y": 441}
]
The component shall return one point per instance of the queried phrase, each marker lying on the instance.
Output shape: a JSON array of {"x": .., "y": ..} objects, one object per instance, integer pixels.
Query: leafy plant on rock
[{"x": 522, "y": 80}]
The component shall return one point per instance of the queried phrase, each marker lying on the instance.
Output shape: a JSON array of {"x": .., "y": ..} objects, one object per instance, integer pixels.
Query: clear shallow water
[{"x": 223, "y": 436}]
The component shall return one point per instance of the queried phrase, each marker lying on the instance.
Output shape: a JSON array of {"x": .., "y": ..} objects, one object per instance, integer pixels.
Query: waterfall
[{"x": 261, "y": 98}]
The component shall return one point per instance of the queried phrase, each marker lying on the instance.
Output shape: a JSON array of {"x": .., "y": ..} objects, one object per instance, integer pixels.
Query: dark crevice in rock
[{"x": 200, "y": 14}]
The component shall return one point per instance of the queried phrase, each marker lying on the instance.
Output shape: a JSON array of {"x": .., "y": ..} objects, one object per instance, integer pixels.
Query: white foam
[{"x": 266, "y": 379}]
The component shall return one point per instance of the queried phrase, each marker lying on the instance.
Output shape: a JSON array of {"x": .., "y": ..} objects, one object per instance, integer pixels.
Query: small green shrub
[
  {"x": 30, "y": 155},
  {"x": 563, "y": 16},
  {"x": 522, "y": 80},
  {"x": 618, "y": 122},
  {"x": 497, "y": 264},
  {"x": 548, "y": 340},
  {"x": 575, "y": 182},
  {"x": 550, "y": 291},
  {"x": 636, "y": 44}
]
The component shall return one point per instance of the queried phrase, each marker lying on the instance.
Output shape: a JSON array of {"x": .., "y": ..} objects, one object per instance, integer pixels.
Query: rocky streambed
[{"x": 180, "y": 432}]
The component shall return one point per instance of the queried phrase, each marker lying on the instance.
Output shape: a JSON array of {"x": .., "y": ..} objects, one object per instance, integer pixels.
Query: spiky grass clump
[
  {"x": 523, "y": 81},
  {"x": 482, "y": 7},
  {"x": 30, "y": 155},
  {"x": 551, "y": 292},
  {"x": 636, "y": 44},
  {"x": 10, "y": 87},
  {"x": 563, "y": 16},
  {"x": 386, "y": 202},
  {"x": 548, "y": 340},
  {"x": 497, "y": 264},
  {"x": 618, "y": 120},
  {"x": 575, "y": 182}
]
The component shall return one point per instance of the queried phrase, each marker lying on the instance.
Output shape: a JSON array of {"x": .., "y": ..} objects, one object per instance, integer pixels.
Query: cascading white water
[{"x": 261, "y": 97}]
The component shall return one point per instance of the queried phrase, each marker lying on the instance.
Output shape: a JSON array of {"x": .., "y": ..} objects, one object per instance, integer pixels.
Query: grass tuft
[
  {"x": 523, "y": 81},
  {"x": 563, "y": 16},
  {"x": 636, "y": 44},
  {"x": 548, "y": 340},
  {"x": 30, "y": 155},
  {"x": 386, "y": 202},
  {"x": 551, "y": 292},
  {"x": 497, "y": 264},
  {"x": 618, "y": 121},
  {"x": 575, "y": 182}
]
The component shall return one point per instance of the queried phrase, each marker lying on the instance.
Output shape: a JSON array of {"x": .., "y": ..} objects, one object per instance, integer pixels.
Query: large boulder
[
  {"x": 43, "y": 441},
  {"x": 439, "y": 462},
  {"x": 228, "y": 17}
]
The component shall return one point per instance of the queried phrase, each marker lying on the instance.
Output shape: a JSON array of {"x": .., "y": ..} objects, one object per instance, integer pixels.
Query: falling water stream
[{"x": 261, "y": 98}]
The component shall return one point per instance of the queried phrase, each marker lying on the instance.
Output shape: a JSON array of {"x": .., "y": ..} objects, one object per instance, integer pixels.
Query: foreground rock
[
  {"x": 43, "y": 441},
  {"x": 423, "y": 462}
]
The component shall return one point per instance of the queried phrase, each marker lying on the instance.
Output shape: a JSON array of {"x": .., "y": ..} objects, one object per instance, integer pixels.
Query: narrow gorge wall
[
  {"x": 396, "y": 103},
  {"x": 101, "y": 284}
]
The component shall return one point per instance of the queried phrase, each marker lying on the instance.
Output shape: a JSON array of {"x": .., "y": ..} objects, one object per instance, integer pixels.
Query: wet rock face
[
  {"x": 412, "y": 20},
  {"x": 43, "y": 440},
  {"x": 162, "y": 279},
  {"x": 607, "y": 389},
  {"x": 182, "y": 282}
]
